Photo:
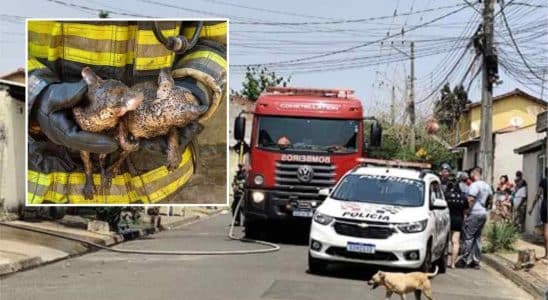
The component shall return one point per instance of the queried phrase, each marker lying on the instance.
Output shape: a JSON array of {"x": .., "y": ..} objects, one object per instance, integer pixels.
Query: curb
[
  {"x": 178, "y": 223},
  {"x": 534, "y": 285}
]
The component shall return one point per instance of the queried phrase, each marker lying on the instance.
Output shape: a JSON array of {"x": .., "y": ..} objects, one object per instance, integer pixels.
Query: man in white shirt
[{"x": 478, "y": 195}]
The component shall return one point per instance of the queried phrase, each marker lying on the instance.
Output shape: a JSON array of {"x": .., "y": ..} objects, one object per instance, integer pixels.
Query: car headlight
[
  {"x": 322, "y": 218},
  {"x": 257, "y": 197},
  {"x": 258, "y": 179},
  {"x": 413, "y": 227}
]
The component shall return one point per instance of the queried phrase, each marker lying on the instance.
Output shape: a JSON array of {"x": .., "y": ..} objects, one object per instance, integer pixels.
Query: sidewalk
[
  {"x": 534, "y": 280},
  {"x": 21, "y": 249}
]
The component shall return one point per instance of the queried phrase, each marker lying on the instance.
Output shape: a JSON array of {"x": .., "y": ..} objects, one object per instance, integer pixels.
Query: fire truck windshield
[{"x": 308, "y": 134}]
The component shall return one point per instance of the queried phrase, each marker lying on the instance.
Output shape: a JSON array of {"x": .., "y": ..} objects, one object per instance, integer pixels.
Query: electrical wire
[{"x": 516, "y": 45}]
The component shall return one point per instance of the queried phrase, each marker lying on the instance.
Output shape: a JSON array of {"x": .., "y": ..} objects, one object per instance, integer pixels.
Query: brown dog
[{"x": 403, "y": 283}]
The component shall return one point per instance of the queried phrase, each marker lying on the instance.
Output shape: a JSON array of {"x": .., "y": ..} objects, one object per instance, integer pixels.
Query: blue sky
[{"x": 365, "y": 69}]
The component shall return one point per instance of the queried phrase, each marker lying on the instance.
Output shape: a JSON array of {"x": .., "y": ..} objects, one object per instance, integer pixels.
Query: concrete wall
[
  {"x": 531, "y": 174},
  {"x": 468, "y": 157},
  {"x": 506, "y": 161},
  {"x": 12, "y": 152}
]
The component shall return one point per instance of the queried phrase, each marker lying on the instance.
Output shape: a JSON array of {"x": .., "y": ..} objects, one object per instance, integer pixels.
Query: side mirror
[
  {"x": 324, "y": 192},
  {"x": 375, "y": 134},
  {"x": 239, "y": 128},
  {"x": 439, "y": 204}
]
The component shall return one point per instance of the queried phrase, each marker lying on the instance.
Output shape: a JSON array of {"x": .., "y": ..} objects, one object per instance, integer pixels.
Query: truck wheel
[
  {"x": 316, "y": 265},
  {"x": 442, "y": 261},
  {"x": 253, "y": 229},
  {"x": 427, "y": 263}
]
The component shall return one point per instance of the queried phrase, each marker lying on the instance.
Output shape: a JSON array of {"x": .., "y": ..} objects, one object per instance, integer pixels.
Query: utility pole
[
  {"x": 489, "y": 75},
  {"x": 411, "y": 100},
  {"x": 393, "y": 107}
]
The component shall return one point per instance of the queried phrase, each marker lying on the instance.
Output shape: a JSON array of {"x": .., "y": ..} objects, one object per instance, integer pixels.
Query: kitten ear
[
  {"x": 382, "y": 275},
  {"x": 89, "y": 76}
]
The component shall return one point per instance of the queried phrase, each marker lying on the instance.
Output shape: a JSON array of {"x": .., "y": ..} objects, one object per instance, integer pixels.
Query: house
[
  {"x": 534, "y": 166},
  {"x": 12, "y": 140},
  {"x": 514, "y": 118}
]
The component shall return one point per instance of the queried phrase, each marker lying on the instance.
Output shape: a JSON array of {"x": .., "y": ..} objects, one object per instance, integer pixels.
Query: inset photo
[{"x": 127, "y": 112}]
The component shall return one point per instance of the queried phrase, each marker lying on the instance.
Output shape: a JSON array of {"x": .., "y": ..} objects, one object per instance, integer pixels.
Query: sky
[{"x": 297, "y": 31}]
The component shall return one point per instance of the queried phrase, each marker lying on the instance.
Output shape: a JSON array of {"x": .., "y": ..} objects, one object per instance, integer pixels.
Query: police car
[{"x": 386, "y": 213}]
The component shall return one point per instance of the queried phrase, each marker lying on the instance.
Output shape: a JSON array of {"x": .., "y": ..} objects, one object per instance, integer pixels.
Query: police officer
[{"x": 130, "y": 51}]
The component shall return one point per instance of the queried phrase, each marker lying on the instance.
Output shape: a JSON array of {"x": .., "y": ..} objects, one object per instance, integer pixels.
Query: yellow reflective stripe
[
  {"x": 82, "y": 56},
  {"x": 97, "y": 32},
  {"x": 151, "y": 63},
  {"x": 214, "y": 30},
  {"x": 160, "y": 172},
  {"x": 147, "y": 37},
  {"x": 47, "y": 27},
  {"x": 170, "y": 188},
  {"x": 33, "y": 64},
  {"x": 135, "y": 185},
  {"x": 207, "y": 55}
]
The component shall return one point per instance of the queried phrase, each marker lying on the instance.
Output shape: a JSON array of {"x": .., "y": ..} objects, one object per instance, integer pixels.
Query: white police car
[{"x": 386, "y": 213}]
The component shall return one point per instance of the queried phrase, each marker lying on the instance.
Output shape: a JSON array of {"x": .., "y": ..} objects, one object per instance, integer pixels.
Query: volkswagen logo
[{"x": 305, "y": 173}]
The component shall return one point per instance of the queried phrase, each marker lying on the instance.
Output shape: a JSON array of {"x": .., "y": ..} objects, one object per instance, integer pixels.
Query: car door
[{"x": 440, "y": 218}]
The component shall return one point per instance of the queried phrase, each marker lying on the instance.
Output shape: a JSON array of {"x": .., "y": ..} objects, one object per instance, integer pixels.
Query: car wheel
[
  {"x": 316, "y": 265},
  {"x": 442, "y": 261},
  {"x": 427, "y": 263}
]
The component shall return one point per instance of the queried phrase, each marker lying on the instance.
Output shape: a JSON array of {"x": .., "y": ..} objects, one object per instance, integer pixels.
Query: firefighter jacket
[{"x": 128, "y": 51}]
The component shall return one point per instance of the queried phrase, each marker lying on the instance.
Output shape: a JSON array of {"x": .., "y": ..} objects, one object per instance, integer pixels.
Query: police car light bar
[
  {"x": 339, "y": 93},
  {"x": 393, "y": 163}
]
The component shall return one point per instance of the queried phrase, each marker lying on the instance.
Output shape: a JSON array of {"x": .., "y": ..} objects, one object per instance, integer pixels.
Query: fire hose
[{"x": 271, "y": 246}]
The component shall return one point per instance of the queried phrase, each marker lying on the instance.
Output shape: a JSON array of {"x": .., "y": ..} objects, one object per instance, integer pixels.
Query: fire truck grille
[
  {"x": 368, "y": 230},
  {"x": 288, "y": 186}
]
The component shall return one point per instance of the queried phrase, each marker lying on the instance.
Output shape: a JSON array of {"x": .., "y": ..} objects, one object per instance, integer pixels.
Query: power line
[
  {"x": 361, "y": 20},
  {"x": 516, "y": 45},
  {"x": 330, "y": 53}
]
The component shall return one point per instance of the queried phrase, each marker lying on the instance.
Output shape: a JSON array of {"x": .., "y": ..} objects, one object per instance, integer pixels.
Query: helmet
[{"x": 446, "y": 166}]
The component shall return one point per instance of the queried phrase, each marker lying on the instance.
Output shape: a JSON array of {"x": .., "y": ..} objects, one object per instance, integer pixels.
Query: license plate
[
  {"x": 306, "y": 213},
  {"x": 361, "y": 248}
]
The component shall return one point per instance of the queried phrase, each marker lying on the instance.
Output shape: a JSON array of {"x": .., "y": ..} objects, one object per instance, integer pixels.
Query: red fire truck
[{"x": 302, "y": 140}]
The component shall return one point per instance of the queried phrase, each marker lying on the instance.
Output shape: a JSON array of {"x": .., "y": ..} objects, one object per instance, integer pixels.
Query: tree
[
  {"x": 103, "y": 14},
  {"x": 256, "y": 80},
  {"x": 450, "y": 107}
]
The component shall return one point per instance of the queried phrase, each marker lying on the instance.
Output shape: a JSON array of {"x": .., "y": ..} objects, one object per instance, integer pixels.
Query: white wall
[
  {"x": 506, "y": 161},
  {"x": 12, "y": 152}
]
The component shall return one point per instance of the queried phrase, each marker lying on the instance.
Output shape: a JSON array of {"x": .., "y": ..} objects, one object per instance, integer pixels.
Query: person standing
[
  {"x": 478, "y": 195},
  {"x": 541, "y": 196},
  {"x": 455, "y": 195},
  {"x": 520, "y": 201}
]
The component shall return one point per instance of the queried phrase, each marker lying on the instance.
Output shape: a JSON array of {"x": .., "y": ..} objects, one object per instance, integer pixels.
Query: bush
[{"x": 500, "y": 235}]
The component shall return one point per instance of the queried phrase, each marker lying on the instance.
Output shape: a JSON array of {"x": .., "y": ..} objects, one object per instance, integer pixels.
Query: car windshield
[
  {"x": 308, "y": 134},
  {"x": 380, "y": 189}
]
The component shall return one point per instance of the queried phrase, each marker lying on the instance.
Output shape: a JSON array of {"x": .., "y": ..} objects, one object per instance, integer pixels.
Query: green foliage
[
  {"x": 257, "y": 79},
  {"x": 429, "y": 150},
  {"x": 500, "y": 235},
  {"x": 103, "y": 14},
  {"x": 450, "y": 107}
]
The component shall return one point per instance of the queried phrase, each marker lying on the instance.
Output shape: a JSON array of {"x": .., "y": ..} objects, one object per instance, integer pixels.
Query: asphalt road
[{"x": 281, "y": 275}]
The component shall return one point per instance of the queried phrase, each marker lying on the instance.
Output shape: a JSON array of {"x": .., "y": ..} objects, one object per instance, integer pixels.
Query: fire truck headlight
[
  {"x": 258, "y": 179},
  {"x": 257, "y": 197},
  {"x": 322, "y": 218}
]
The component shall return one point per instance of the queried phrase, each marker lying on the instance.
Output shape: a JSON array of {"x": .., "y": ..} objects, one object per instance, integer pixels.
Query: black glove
[{"x": 53, "y": 113}]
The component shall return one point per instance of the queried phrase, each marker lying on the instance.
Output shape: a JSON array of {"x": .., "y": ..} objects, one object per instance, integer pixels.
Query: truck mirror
[
  {"x": 375, "y": 134},
  {"x": 239, "y": 128}
]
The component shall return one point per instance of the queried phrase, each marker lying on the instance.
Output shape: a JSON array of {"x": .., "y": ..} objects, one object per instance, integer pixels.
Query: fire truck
[{"x": 302, "y": 141}]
